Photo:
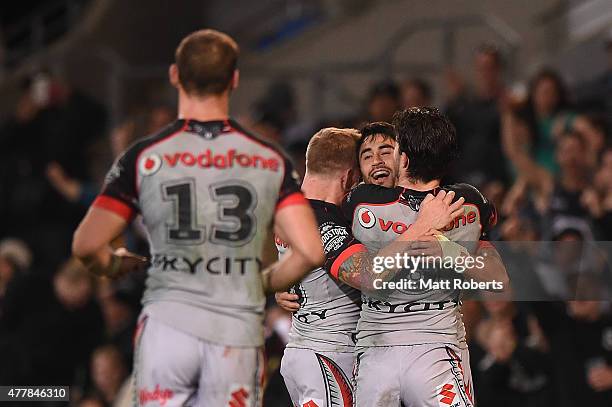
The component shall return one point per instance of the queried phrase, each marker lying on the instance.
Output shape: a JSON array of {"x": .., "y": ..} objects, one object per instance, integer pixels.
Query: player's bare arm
[
  {"x": 296, "y": 224},
  {"x": 91, "y": 244},
  {"x": 493, "y": 270}
]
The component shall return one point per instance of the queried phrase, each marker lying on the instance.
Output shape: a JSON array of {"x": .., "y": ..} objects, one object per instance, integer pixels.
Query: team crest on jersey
[
  {"x": 149, "y": 165},
  {"x": 338, "y": 390},
  {"x": 366, "y": 218}
]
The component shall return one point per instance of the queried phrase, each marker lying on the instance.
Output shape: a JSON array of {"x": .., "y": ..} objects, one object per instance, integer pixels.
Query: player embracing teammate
[
  {"x": 318, "y": 361},
  {"x": 411, "y": 348}
]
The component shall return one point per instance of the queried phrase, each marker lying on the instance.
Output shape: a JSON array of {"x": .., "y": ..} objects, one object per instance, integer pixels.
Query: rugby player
[
  {"x": 207, "y": 191},
  {"x": 411, "y": 343},
  {"x": 375, "y": 150},
  {"x": 318, "y": 361}
]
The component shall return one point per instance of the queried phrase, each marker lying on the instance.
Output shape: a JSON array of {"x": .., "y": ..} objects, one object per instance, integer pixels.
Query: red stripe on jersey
[
  {"x": 348, "y": 252},
  {"x": 296, "y": 198},
  {"x": 114, "y": 205}
]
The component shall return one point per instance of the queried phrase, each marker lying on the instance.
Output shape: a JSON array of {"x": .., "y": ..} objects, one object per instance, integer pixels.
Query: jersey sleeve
[
  {"x": 486, "y": 209},
  {"x": 358, "y": 195},
  {"x": 119, "y": 194},
  {"x": 290, "y": 193},
  {"x": 338, "y": 244}
]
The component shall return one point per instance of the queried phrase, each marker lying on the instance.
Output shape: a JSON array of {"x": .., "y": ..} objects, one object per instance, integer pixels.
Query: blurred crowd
[{"x": 542, "y": 153}]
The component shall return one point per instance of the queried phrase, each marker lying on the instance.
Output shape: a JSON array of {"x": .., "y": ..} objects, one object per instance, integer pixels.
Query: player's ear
[
  {"x": 349, "y": 179},
  {"x": 235, "y": 79},
  {"x": 173, "y": 75},
  {"x": 404, "y": 161}
]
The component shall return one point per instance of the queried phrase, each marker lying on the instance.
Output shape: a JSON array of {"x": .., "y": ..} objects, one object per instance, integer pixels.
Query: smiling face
[{"x": 376, "y": 161}]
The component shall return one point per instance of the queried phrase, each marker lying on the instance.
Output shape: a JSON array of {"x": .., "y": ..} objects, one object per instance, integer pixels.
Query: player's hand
[
  {"x": 437, "y": 212},
  {"x": 287, "y": 301},
  {"x": 124, "y": 262},
  {"x": 427, "y": 246},
  {"x": 600, "y": 378}
]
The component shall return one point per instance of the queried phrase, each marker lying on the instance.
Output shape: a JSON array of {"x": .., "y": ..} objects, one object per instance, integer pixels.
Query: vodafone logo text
[
  {"x": 368, "y": 220},
  {"x": 225, "y": 160}
]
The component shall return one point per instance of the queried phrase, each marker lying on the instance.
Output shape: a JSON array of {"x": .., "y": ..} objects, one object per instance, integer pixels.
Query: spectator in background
[
  {"x": 556, "y": 197},
  {"x": 51, "y": 123},
  {"x": 51, "y": 329},
  {"x": 297, "y": 152},
  {"x": 383, "y": 101},
  {"x": 416, "y": 93},
  {"x": 597, "y": 198},
  {"x": 108, "y": 372},
  {"x": 477, "y": 119},
  {"x": 510, "y": 359},
  {"x": 15, "y": 259},
  {"x": 580, "y": 337},
  {"x": 596, "y": 95},
  {"x": 547, "y": 115},
  {"x": 120, "y": 309},
  {"x": 274, "y": 112},
  {"x": 91, "y": 401}
]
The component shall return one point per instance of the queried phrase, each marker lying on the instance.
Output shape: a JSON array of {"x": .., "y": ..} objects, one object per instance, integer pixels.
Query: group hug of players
[{"x": 210, "y": 194}]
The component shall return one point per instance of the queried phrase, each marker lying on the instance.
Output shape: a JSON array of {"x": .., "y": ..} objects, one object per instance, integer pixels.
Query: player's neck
[
  {"x": 204, "y": 108},
  {"x": 322, "y": 189},
  {"x": 417, "y": 185}
]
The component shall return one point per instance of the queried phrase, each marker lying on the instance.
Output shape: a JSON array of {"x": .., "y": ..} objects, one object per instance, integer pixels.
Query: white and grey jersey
[
  {"x": 329, "y": 309},
  {"x": 207, "y": 192},
  {"x": 422, "y": 314}
]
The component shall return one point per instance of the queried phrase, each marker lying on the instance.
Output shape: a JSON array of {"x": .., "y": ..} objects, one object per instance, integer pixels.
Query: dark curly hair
[
  {"x": 429, "y": 140},
  {"x": 370, "y": 130}
]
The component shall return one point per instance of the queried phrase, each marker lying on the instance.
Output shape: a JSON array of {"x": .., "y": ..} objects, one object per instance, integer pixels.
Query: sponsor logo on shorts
[
  {"x": 239, "y": 398},
  {"x": 338, "y": 389},
  {"x": 159, "y": 395},
  {"x": 149, "y": 165},
  {"x": 446, "y": 395},
  {"x": 462, "y": 387}
]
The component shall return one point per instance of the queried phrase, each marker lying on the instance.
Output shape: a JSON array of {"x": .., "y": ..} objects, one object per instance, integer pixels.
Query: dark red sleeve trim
[
  {"x": 114, "y": 205},
  {"x": 348, "y": 252},
  {"x": 296, "y": 198}
]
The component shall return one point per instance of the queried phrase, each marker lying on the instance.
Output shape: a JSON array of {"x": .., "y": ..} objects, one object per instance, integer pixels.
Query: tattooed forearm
[{"x": 350, "y": 271}]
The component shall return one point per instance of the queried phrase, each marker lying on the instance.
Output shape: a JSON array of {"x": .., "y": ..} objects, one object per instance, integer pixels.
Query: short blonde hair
[{"x": 332, "y": 149}]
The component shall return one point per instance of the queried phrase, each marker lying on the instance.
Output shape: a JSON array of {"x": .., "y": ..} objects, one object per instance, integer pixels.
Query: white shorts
[
  {"x": 318, "y": 379},
  {"x": 428, "y": 375},
  {"x": 173, "y": 368}
]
